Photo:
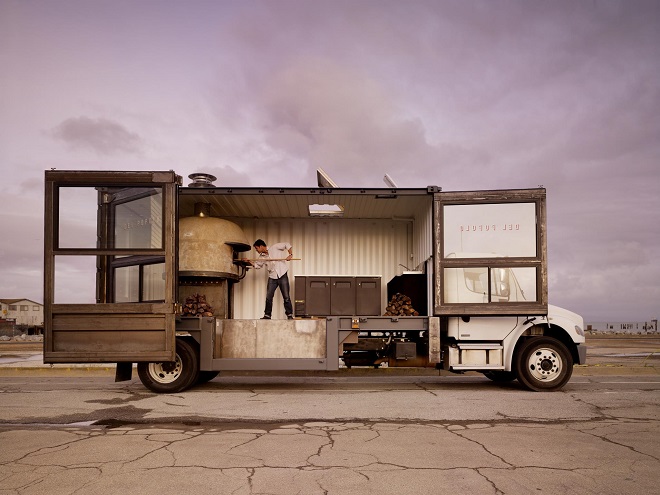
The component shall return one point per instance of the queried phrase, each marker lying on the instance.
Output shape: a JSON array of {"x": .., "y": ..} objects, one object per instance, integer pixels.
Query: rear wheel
[
  {"x": 206, "y": 376},
  {"x": 172, "y": 377},
  {"x": 543, "y": 364}
]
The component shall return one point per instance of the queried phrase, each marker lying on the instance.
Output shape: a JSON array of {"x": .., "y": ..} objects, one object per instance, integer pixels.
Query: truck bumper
[{"x": 582, "y": 354}]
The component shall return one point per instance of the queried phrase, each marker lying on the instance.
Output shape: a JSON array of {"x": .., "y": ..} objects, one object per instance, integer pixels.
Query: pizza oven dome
[{"x": 207, "y": 245}]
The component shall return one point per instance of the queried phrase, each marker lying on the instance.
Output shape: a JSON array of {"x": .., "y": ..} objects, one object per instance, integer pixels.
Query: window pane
[
  {"x": 154, "y": 282},
  {"x": 515, "y": 284},
  {"x": 139, "y": 219},
  {"x": 500, "y": 284},
  {"x": 466, "y": 285},
  {"x": 127, "y": 284},
  {"x": 490, "y": 230},
  {"x": 75, "y": 280},
  {"x": 78, "y": 208}
]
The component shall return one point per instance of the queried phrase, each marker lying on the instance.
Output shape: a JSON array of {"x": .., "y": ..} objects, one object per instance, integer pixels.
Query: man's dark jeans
[{"x": 283, "y": 284}]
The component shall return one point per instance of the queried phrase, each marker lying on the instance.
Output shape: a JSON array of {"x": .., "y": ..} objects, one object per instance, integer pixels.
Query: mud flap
[{"x": 124, "y": 372}]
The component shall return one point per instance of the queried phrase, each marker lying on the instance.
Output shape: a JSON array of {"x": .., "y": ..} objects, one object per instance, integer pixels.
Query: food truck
[{"x": 142, "y": 269}]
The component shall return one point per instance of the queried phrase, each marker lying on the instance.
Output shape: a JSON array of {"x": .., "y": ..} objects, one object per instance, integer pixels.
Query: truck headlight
[{"x": 579, "y": 330}]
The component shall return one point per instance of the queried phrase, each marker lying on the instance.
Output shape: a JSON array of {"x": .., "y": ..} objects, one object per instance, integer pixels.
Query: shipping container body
[
  {"x": 468, "y": 271},
  {"x": 375, "y": 234}
]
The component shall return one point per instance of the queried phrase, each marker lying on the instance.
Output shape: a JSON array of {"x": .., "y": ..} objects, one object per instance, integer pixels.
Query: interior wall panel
[{"x": 326, "y": 247}]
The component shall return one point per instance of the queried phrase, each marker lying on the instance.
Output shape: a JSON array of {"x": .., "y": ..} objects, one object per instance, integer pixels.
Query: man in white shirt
[{"x": 277, "y": 273}]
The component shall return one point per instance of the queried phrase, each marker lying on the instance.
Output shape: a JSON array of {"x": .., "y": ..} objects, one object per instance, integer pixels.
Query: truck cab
[{"x": 139, "y": 268}]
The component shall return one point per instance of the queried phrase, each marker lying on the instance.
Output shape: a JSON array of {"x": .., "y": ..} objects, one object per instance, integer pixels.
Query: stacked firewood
[
  {"x": 400, "y": 305},
  {"x": 196, "y": 305}
]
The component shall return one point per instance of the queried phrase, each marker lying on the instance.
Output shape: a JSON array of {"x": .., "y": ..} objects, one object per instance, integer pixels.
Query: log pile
[
  {"x": 196, "y": 305},
  {"x": 400, "y": 305}
]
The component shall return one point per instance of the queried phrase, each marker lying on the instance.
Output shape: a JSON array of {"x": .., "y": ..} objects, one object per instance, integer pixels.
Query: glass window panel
[
  {"x": 466, "y": 285},
  {"x": 75, "y": 280},
  {"x": 153, "y": 284},
  {"x": 520, "y": 283},
  {"x": 490, "y": 230},
  {"x": 78, "y": 208},
  {"x": 470, "y": 285},
  {"x": 139, "y": 220},
  {"x": 127, "y": 284}
]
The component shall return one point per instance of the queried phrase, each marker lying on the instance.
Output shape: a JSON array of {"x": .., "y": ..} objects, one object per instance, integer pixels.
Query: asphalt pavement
[{"x": 71, "y": 429}]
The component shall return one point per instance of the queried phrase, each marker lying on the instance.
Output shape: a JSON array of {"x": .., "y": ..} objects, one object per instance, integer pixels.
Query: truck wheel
[
  {"x": 175, "y": 376},
  {"x": 543, "y": 364},
  {"x": 500, "y": 376}
]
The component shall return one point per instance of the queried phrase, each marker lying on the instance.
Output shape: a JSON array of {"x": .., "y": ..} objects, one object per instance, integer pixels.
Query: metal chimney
[{"x": 200, "y": 179}]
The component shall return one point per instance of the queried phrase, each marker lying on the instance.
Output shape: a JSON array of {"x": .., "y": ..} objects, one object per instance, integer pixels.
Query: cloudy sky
[{"x": 460, "y": 94}]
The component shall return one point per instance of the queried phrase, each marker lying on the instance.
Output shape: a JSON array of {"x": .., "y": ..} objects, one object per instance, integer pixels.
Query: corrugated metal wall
[
  {"x": 423, "y": 232},
  {"x": 422, "y": 237},
  {"x": 328, "y": 247}
]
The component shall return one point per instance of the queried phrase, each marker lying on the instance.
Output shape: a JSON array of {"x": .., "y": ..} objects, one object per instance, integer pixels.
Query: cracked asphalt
[
  {"x": 296, "y": 435},
  {"x": 78, "y": 432}
]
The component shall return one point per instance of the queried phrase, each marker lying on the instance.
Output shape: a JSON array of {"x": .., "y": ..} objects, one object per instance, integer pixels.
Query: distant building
[
  {"x": 22, "y": 315},
  {"x": 624, "y": 327}
]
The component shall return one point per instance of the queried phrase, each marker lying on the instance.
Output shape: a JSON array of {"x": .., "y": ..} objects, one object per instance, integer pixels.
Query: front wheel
[
  {"x": 543, "y": 364},
  {"x": 175, "y": 376},
  {"x": 500, "y": 376}
]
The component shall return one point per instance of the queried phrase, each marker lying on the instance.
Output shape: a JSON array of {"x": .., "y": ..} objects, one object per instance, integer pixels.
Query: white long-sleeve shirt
[{"x": 276, "y": 269}]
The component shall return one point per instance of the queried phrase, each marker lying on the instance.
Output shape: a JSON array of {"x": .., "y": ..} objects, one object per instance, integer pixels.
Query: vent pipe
[{"x": 202, "y": 180}]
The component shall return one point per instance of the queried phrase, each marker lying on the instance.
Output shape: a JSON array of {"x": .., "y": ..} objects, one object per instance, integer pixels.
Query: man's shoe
[
  {"x": 289, "y": 317},
  {"x": 265, "y": 317}
]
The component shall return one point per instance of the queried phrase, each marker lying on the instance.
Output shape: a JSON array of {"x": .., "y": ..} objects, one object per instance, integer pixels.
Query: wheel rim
[
  {"x": 166, "y": 372},
  {"x": 545, "y": 364}
]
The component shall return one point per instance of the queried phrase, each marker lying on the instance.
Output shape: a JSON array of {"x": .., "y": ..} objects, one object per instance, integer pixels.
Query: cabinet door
[
  {"x": 368, "y": 298},
  {"x": 342, "y": 296},
  {"x": 318, "y": 296}
]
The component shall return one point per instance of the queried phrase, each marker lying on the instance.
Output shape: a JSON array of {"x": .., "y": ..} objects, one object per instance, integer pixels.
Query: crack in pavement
[
  {"x": 425, "y": 389},
  {"x": 492, "y": 483},
  {"x": 619, "y": 444},
  {"x": 457, "y": 433}
]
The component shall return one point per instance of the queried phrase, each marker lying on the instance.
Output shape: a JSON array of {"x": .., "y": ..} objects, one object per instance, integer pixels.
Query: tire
[
  {"x": 500, "y": 376},
  {"x": 543, "y": 364},
  {"x": 172, "y": 377},
  {"x": 206, "y": 376}
]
